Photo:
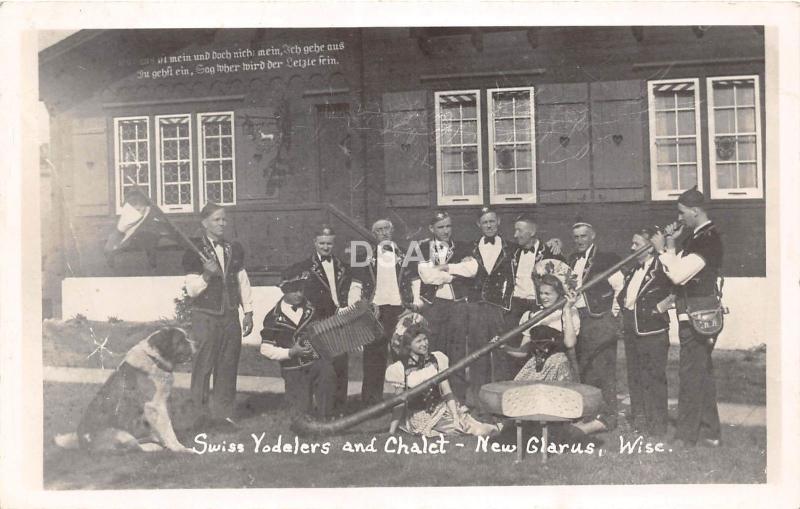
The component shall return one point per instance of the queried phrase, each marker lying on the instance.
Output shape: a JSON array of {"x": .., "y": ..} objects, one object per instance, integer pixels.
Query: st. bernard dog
[{"x": 130, "y": 410}]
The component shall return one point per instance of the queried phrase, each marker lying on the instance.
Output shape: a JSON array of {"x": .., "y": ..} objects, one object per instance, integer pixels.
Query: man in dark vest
[
  {"x": 695, "y": 270},
  {"x": 441, "y": 282},
  {"x": 598, "y": 308},
  {"x": 489, "y": 301},
  {"x": 218, "y": 286},
  {"x": 383, "y": 282},
  {"x": 309, "y": 380},
  {"x": 644, "y": 299},
  {"x": 529, "y": 251},
  {"x": 326, "y": 289}
]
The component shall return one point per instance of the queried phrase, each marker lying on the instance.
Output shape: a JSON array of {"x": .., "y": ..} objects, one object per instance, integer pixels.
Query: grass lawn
[{"x": 741, "y": 378}]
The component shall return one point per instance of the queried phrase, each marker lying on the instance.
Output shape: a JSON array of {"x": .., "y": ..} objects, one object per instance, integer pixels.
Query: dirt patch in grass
[{"x": 741, "y": 460}]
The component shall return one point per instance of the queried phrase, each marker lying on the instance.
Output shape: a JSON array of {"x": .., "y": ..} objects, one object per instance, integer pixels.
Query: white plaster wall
[{"x": 151, "y": 298}]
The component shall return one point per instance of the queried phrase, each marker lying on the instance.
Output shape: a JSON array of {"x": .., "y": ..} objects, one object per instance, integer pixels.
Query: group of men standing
[{"x": 469, "y": 292}]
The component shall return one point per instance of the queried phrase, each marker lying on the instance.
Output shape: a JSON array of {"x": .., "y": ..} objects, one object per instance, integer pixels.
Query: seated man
[{"x": 309, "y": 380}]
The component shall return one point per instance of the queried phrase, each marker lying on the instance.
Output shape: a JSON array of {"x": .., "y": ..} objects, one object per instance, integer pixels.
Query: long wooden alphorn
[
  {"x": 305, "y": 425},
  {"x": 187, "y": 243}
]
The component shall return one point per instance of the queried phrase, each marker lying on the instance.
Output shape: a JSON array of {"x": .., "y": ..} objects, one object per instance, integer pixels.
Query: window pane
[
  {"x": 169, "y": 130},
  {"x": 225, "y": 126},
  {"x": 468, "y": 111},
  {"x": 747, "y": 120},
  {"x": 211, "y": 129},
  {"x": 524, "y": 157},
  {"x": 227, "y": 192},
  {"x": 470, "y": 159},
  {"x": 665, "y": 123},
  {"x": 452, "y": 184},
  {"x": 685, "y": 98},
  {"x": 522, "y": 105},
  {"x": 185, "y": 172},
  {"x": 746, "y": 148},
  {"x": 523, "y": 128},
  {"x": 745, "y": 95},
  {"x": 212, "y": 170},
  {"x": 726, "y": 175},
  {"x": 227, "y": 170},
  {"x": 725, "y": 148},
  {"x": 213, "y": 192},
  {"x": 449, "y": 112},
  {"x": 723, "y": 95},
  {"x": 471, "y": 182},
  {"x": 449, "y": 134},
  {"x": 664, "y": 101},
  {"x": 667, "y": 151},
  {"x": 747, "y": 175},
  {"x": 451, "y": 159},
  {"x": 170, "y": 172},
  {"x": 524, "y": 181},
  {"x": 504, "y": 158},
  {"x": 184, "y": 149},
  {"x": 128, "y": 152},
  {"x": 183, "y": 129},
  {"x": 142, "y": 151},
  {"x": 143, "y": 174},
  {"x": 667, "y": 178},
  {"x": 687, "y": 176},
  {"x": 505, "y": 182},
  {"x": 469, "y": 132},
  {"x": 171, "y": 195},
  {"x": 128, "y": 130},
  {"x": 502, "y": 106},
  {"x": 227, "y": 144},
  {"x": 504, "y": 131},
  {"x": 724, "y": 121},
  {"x": 212, "y": 147},
  {"x": 687, "y": 152},
  {"x": 186, "y": 193},
  {"x": 170, "y": 150},
  {"x": 686, "y": 122}
]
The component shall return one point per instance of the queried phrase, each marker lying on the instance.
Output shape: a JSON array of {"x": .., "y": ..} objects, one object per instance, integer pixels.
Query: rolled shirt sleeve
[
  {"x": 273, "y": 352},
  {"x": 680, "y": 269},
  {"x": 195, "y": 284},
  {"x": 354, "y": 295},
  {"x": 431, "y": 274},
  {"x": 617, "y": 282},
  {"x": 245, "y": 291}
]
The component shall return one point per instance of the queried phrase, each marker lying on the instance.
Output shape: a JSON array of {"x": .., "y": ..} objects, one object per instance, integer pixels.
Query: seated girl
[
  {"x": 435, "y": 411},
  {"x": 549, "y": 346}
]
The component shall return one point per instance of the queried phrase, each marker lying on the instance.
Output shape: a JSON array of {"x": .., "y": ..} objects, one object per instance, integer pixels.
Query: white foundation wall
[{"x": 152, "y": 298}]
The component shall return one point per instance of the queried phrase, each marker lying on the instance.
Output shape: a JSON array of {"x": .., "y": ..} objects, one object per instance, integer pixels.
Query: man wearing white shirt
[
  {"x": 440, "y": 286},
  {"x": 218, "y": 285},
  {"x": 644, "y": 299},
  {"x": 489, "y": 301},
  {"x": 326, "y": 289},
  {"x": 383, "y": 282},
  {"x": 695, "y": 270},
  {"x": 598, "y": 308}
]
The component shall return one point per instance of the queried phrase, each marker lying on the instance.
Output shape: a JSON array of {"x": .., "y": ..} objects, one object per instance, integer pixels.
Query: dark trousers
[
  {"x": 485, "y": 322},
  {"x": 310, "y": 389},
  {"x": 597, "y": 360},
  {"x": 518, "y": 308},
  {"x": 697, "y": 395},
  {"x": 449, "y": 325},
  {"x": 375, "y": 355},
  {"x": 219, "y": 342},
  {"x": 646, "y": 359},
  {"x": 340, "y": 368}
]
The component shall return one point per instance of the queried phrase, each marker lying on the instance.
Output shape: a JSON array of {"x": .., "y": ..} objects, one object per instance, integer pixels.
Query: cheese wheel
[{"x": 557, "y": 400}]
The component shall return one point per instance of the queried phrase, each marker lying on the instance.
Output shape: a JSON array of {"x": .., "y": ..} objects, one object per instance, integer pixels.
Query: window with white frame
[
  {"x": 675, "y": 147},
  {"x": 511, "y": 145},
  {"x": 217, "y": 164},
  {"x": 458, "y": 147},
  {"x": 174, "y": 163},
  {"x": 131, "y": 157},
  {"x": 734, "y": 137}
]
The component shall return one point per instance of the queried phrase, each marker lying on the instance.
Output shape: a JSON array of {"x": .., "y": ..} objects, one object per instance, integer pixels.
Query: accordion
[{"x": 345, "y": 332}]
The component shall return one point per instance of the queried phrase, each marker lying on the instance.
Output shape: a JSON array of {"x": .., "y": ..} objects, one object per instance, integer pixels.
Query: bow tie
[
  {"x": 641, "y": 265},
  {"x": 216, "y": 243},
  {"x": 489, "y": 240},
  {"x": 326, "y": 258},
  {"x": 526, "y": 250},
  {"x": 295, "y": 307},
  {"x": 388, "y": 248}
]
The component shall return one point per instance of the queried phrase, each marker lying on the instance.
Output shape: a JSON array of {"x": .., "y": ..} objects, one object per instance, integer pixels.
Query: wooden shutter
[
  {"x": 90, "y": 166},
  {"x": 407, "y": 160},
  {"x": 562, "y": 133},
  {"x": 618, "y": 116}
]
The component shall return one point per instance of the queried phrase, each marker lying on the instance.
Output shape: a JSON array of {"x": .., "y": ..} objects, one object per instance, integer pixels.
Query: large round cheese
[{"x": 559, "y": 400}]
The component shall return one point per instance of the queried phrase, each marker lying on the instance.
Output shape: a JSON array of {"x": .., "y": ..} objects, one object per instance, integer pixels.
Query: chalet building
[{"x": 295, "y": 127}]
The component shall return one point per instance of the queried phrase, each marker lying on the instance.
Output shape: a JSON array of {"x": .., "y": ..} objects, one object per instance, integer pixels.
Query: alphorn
[
  {"x": 306, "y": 425},
  {"x": 187, "y": 243}
]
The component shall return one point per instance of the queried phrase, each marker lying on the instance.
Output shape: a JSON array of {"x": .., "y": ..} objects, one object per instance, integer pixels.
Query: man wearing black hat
[
  {"x": 383, "y": 282},
  {"x": 695, "y": 269},
  {"x": 441, "y": 285},
  {"x": 218, "y": 286},
  {"x": 326, "y": 289},
  {"x": 309, "y": 380},
  {"x": 489, "y": 300},
  {"x": 598, "y": 308}
]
